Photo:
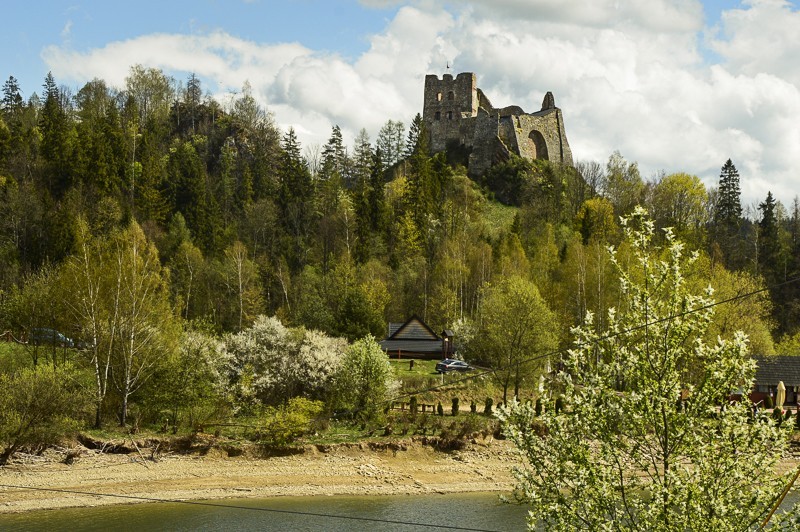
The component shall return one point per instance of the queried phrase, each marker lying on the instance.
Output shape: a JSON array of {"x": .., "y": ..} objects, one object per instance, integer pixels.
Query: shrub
[
  {"x": 285, "y": 424},
  {"x": 412, "y": 405},
  {"x": 38, "y": 408},
  {"x": 559, "y": 404},
  {"x": 487, "y": 406},
  {"x": 777, "y": 415},
  {"x": 365, "y": 379},
  {"x": 473, "y": 408},
  {"x": 539, "y": 407},
  {"x": 439, "y": 409},
  {"x": 454, "y": 407},
  {"x": 768, "y": 403}
]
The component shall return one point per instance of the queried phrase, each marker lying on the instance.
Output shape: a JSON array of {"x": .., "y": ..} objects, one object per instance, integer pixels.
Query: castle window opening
[
  {"x": 449, "y": 115},
  {"x": 451, "y": 95},
  {"x": 437, "y": 116},
  {"x": 438, "y": 96}
]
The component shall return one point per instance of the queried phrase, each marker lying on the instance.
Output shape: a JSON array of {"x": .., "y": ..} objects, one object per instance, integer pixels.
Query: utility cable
[{"x": 251, "y": 508}]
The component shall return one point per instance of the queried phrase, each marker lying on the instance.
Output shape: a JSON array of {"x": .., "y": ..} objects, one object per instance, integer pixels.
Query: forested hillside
[{"x": 156, "y": 203}]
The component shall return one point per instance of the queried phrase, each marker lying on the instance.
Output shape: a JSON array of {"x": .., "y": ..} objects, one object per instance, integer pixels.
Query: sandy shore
[{"x": 408, "y": 468}]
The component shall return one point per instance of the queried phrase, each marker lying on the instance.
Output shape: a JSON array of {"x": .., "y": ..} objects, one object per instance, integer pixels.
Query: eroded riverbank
[{"x": 405, "y": 467}]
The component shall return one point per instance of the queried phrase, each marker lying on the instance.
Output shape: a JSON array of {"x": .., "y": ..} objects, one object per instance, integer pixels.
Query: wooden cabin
[{"x": 415, "y": 339}]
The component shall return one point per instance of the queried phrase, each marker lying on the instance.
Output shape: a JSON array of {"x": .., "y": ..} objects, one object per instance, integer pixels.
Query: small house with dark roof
[
  {"x": 415, "y": 339},
  {"x": 770, "y": 371}
]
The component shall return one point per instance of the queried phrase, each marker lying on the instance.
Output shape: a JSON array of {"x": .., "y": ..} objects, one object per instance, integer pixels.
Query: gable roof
[
  {"x": 412, "y": 336},
  {"x": 413, "y": 329},
  {"x": 773, "y": 369}
]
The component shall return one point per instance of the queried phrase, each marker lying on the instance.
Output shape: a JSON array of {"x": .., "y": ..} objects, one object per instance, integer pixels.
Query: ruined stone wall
[
  {"x": 457, "y": 112},
  {"x": 541, "y": 136},
  {"x": 448, "y": 103}
]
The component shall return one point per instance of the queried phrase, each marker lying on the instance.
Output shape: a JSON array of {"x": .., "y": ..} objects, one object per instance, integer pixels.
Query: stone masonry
[{"x": 458, "y": 115}]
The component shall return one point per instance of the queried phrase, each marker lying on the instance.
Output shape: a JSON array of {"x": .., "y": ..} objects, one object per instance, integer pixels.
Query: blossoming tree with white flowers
[{"x": 649, "y": 439}]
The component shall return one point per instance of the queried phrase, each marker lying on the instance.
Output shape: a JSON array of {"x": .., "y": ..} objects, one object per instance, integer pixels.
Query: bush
[
  {"x": 559, "y": 404},
  {"x": 412, "y": 405},
  {"x": 539, "y": 407},
  {"x": 487, "y": 406},
  {"x": 38, "y": 408},
  {"x": 285, "y": 424},
  {"x": 365, "y": 379},
  {"x": 439, "y": 409},
  {"x": 473, "y": 408},
  {"x": 777, "y": 415},
  {"x": 769, "y": 404},
  {"x": 454, "y": 407}
]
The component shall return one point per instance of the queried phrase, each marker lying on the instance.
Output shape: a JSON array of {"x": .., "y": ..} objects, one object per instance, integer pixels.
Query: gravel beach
[{"x": 404, "y": 467}]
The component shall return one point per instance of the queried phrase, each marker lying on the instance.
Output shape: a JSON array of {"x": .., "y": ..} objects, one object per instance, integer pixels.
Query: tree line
[{"x": 131, "y": 217}]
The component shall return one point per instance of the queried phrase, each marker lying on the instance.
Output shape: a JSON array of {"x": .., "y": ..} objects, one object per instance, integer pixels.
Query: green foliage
[
  {"x": 39, "y": 407},
  {"x": 454, "y": 407},
  {"x": 412, "y": 405},
  {"x": 284, "y": 424},
  {"x": 625, "y": 451},
  {"x": 487, "y": 406},
  {"x": 439, "y": 409},
  {"x": 190, "y": 387},
  {"x": 516, "y": 331},
  {"x": 559, "y": 406},
  {"x": 365, "y": 379}
]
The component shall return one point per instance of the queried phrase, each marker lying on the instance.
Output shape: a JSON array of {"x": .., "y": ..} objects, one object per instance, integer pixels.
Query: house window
[
  {"x": 437, "y": 116},
  {"x": 451, "y": 95}
]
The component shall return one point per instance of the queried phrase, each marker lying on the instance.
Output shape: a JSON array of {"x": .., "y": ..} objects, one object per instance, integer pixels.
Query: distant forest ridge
[{"x": 343, "y": 239}]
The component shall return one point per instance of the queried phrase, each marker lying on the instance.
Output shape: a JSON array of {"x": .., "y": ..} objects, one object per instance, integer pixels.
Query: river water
[{"x": 473, "y": 511}]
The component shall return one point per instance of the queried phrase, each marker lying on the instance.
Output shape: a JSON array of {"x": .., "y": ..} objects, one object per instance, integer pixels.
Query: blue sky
[{"x": 676, "y": 85}]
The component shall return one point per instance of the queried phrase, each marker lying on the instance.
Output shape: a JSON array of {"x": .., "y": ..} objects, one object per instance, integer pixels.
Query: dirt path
[{"x": 339, "y": 470}]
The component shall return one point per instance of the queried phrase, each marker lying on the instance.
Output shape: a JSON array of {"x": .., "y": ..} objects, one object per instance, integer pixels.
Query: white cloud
[
  {"x": 66, "y": 30},
  {"x": 627, "y": 74}
]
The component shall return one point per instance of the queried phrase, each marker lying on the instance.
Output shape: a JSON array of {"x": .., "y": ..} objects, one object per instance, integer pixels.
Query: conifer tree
[
  {"x": 769, "y": 246},
  {"x": 727, "y": 216},
  {"x": 295, "y": 194},
  {"x": 334, "y": 155}
]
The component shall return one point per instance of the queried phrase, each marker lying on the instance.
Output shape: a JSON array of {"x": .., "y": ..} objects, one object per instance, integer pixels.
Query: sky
[{"x": 675, "y": 85}]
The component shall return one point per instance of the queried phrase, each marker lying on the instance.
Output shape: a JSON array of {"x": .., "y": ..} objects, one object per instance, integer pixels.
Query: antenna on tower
[{"x": 448, "y": 67}]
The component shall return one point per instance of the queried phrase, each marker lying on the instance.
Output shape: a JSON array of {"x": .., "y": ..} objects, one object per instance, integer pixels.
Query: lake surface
[{"x": 473, "y": 511}]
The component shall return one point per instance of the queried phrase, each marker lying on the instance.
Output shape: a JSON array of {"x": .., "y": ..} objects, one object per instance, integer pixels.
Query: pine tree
[
  {"x": 769, "y": 246},
  {"x": 295, "y": 194},
  {"x": 727, "y": 216},
  {"x": 334, "y": 155},
  {"x": 12, "y": 99},
  {"x": 56, "y": 146},
  {"x": 417, "y": 140}
]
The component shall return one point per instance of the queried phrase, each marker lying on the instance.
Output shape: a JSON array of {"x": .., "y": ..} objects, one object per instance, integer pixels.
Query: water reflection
[{"x": 480, "y": 511}]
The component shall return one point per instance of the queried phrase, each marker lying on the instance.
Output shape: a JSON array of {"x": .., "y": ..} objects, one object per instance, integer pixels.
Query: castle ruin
[{"x": 458, "y": 115}]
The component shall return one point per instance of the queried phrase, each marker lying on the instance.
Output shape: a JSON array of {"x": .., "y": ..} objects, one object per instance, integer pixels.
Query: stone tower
[{"x": 458, "y": 115}]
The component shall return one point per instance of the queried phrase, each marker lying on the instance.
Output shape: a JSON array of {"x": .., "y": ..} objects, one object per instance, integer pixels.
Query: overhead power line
[{"x": 251, "y": 508}]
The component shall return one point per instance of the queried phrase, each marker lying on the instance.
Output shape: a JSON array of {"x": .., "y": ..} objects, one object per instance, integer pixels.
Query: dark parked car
[
  {"x": 42, "y": 336},
  {"x": 450, "y": 364}
]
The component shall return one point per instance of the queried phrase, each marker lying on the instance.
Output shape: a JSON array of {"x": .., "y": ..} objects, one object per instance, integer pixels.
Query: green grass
[
  {"x": 421, "y": 367},
  {"x": 498, "y": 217}
]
